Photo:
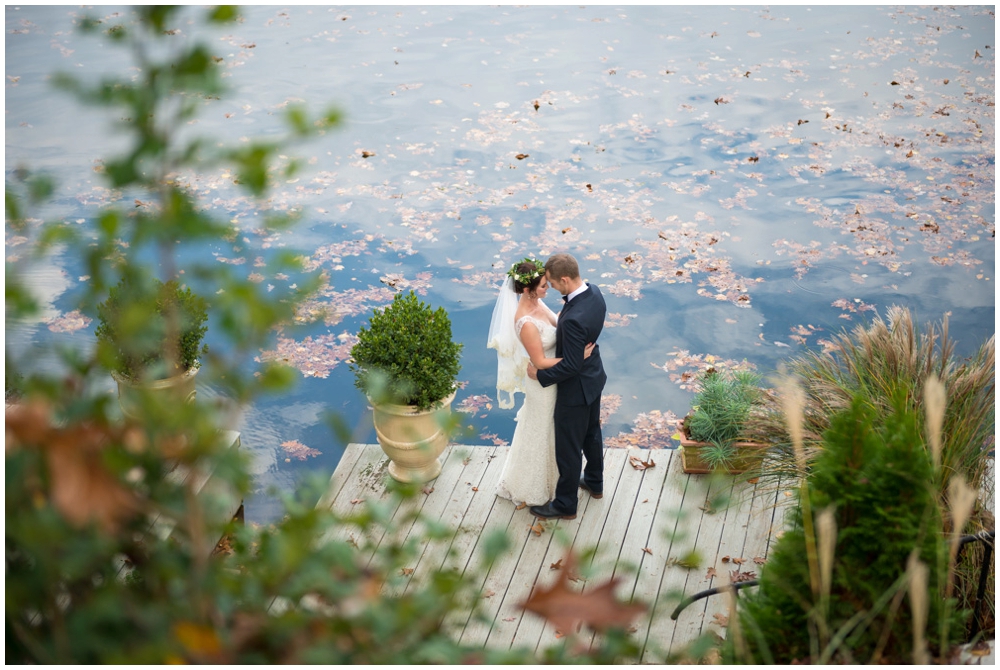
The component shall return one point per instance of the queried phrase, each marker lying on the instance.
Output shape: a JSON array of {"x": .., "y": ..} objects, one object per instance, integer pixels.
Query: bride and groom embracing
[{"x": 556, "y": 363}]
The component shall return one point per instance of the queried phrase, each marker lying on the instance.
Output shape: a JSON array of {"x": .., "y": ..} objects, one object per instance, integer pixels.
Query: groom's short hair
[{"x": 562, "y": 266}]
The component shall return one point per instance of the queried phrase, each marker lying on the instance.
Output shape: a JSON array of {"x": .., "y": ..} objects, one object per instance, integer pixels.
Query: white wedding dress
[{"x": 530, "y": 474}]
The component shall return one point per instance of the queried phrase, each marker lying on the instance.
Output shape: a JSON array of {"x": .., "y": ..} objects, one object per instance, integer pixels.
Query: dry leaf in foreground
[
  {"x": 81, "y": 487},
  {"x": 565, "y": 608}
]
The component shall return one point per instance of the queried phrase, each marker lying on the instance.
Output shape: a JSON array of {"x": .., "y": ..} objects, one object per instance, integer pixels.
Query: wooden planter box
[{"x": 748, "y": 457}]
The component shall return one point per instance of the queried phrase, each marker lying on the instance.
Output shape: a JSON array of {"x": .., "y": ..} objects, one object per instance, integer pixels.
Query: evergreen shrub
[{"x": 878, "y": 479}]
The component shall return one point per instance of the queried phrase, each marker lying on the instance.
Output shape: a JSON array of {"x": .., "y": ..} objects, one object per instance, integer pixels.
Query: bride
[{"x": 523, "y": 328}]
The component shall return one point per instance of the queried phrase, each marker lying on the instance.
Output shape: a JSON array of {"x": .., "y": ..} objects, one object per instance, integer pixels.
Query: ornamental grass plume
[{"x": 934, "y": 402}]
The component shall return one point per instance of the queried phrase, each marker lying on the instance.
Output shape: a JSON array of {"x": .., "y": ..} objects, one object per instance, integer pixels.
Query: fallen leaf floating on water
[
  {"x": 536, "y": 105},
  {"x": 801, "y": 121},
  {"x": 367, "y": 154},
  {"x": 296, "y": 449},
  {"x": 590, "y": 189},
  {"x": 566, "y": 230},
  {"x": 521, "y": 157},
  {"x": 721, "y": 101},
  {"x": 753, "y": 159},
  {"x": 567, "y": 609}
]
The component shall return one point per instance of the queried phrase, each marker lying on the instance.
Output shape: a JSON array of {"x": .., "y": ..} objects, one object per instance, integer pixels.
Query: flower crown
[{"x": 525, "y": 278}]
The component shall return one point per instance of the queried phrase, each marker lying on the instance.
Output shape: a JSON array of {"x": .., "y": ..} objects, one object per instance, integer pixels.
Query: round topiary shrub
[
  {"x": 406, "y": 354},
  {"x": 134, "y": 327}
]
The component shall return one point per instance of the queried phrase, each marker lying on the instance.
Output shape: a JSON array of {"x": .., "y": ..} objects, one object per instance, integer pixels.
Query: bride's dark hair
[{"x": 527, "y": 268}]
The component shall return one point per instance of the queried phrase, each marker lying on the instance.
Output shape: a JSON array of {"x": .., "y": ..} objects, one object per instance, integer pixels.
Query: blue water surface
[{"x": 742, "y": 182}]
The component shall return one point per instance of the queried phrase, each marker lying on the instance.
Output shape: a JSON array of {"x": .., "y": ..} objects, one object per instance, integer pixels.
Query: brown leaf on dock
[
  {"x": 556, "y": 566},
  {"x": 710, "y": 573},
  {"x": 427, "y": 490},
  {"x": 720, "y": 619},
  {"x": 758, "y": 560},
  {"x": 488, "y": 593},
  {"x": 640, "y": 464},
  {"x": 537, "y": 528},
  {"x": 521, "y": 506},
  {"x": 357, "y": 500},
  {"x": 406, "y": 572},
  {"x": 648, "y": 550}
]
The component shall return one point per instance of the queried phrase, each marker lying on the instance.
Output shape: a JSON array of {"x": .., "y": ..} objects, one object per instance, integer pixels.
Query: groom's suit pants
[{"x": 575, "y": 425}]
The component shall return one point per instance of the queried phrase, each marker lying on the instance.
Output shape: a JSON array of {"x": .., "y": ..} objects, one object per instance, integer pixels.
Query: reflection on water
[{"x": 742, "y": 182}]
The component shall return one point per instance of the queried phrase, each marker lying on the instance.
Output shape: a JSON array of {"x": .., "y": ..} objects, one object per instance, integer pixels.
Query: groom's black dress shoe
[
  {"x": 546, "y": 512},
  {"x": 597, "y": 495}
]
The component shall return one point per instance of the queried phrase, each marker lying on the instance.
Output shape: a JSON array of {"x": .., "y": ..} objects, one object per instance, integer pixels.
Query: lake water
[{"x": 742, "y": 182}]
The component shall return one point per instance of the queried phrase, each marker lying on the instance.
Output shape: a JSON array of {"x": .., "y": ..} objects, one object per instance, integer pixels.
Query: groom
[{"x": 580, "y": 382}]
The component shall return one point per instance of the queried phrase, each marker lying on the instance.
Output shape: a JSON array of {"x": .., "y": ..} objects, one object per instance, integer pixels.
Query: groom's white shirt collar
[{"x": 578, "y": 291}]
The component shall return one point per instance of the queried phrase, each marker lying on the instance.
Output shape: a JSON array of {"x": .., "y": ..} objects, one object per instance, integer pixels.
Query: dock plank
[{"x": 646, "y": 521}]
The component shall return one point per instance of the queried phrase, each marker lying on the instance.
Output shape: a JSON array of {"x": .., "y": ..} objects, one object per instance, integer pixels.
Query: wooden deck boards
[{"x": 644, "y": 528}]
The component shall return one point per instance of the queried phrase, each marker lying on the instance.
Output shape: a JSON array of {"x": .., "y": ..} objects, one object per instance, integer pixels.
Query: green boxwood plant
[
  {"x": 139, "y": 321},
  {"x": 406, "y": 355}
]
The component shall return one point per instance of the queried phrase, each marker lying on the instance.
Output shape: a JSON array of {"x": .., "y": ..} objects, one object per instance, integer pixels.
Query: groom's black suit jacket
[{"x": 581, "y": 321}]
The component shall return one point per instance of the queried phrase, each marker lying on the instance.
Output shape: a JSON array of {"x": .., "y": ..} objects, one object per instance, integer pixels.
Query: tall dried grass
[{"x": 882, "y": 359}]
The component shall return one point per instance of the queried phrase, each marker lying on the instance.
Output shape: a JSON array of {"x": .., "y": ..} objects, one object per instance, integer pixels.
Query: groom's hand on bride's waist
[{"x": 532, "y": 372}]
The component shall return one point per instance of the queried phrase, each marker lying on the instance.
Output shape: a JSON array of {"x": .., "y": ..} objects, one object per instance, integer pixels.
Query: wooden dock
[{"x": 650, "y": 524}]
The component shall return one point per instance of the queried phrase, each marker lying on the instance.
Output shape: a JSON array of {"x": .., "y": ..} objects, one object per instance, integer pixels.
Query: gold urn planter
[
  {"x": 412, "y": 438},
  {"x": 172, "y": 390},
  {"x": 747, "y": 456}
]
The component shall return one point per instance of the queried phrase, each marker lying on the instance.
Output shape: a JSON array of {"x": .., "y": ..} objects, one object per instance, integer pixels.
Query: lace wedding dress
[{"x": 530, "y": 474}]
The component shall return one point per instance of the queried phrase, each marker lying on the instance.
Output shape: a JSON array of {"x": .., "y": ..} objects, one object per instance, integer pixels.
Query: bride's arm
[{"x": 532, "y": 341}]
